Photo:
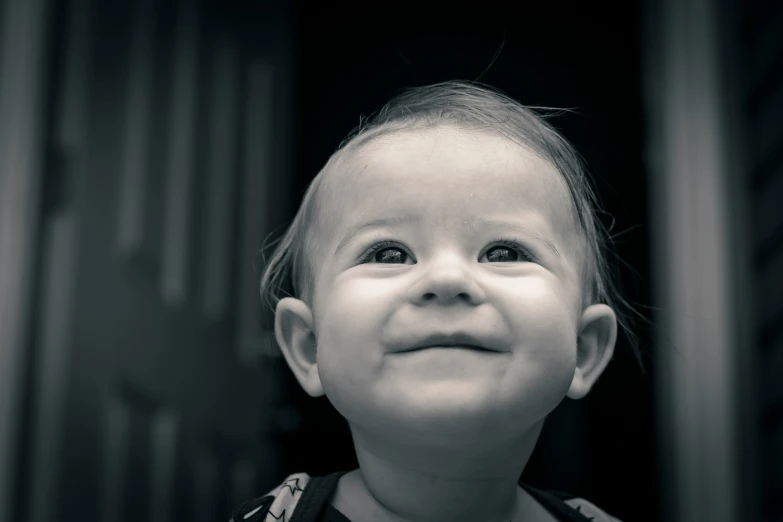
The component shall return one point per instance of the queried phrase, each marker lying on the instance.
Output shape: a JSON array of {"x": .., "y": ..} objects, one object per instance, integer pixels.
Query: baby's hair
[{"x": 475, "y": 106}]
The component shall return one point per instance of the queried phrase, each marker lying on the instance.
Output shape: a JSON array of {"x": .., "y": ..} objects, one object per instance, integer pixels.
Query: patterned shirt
[{"x": 301, "y": 498}]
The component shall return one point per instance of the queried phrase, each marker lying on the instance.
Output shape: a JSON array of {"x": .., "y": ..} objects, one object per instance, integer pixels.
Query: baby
[{"x": 445, "y": 285}]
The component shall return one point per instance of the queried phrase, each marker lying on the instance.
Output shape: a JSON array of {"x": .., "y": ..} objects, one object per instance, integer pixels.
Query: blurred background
[{"x": 149, "y": 149}]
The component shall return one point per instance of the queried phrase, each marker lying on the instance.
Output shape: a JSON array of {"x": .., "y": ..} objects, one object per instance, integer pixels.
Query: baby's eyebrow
[
  {"x": 520, "y": 227},
  {"x": 478, "y": 222},
  {"x": 380, "y": 222}
]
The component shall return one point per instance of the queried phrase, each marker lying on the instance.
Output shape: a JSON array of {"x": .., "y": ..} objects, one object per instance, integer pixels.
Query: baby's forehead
[{"x": 431, "y": 168}]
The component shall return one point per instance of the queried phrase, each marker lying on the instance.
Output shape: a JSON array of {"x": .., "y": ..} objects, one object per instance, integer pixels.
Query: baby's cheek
[
  {"x": 347, "y": 365},
  {"x": 547, "y": 315},
  {"x": 348, "y": 334},
  {"x": 543, "y": 301},
  {"x": 545, "y": 318}
]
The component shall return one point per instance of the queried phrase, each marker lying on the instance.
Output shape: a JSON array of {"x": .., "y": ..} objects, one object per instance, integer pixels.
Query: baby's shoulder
[
  {"x": 278, "y": 504},
  {"x": 590, "y": 510},
  {"x": 553, "y": 499}
]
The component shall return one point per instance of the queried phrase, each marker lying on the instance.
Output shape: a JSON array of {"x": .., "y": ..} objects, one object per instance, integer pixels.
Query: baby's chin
[{"x": 444, "y": 415}]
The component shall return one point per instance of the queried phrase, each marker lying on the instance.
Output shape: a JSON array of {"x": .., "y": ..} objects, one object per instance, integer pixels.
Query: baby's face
[{"x": 444, "y": 236}]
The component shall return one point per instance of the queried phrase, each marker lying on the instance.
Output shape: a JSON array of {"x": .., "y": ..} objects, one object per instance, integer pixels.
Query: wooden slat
[
  {"x": 256, "y": 170},
  {"x": 61, "y": 241},
  {"x": 57, "y": 302},
  {"x": 136, "y": 143},
  {"x": 222, "y": 178},
  {"x": 694, "y": 264},
  {"x": 774, "y": 479},
  {"x": 768, "y": 216},
  {"x": 181, "y": 156},
  {"x": 71, "y": 125},
  {"x": 765, "y": 50},
  {"x": 23, "y": 59},
  {"x": 764, "y": 130},
  {"x": 164, "y": 460},
  {"x": 770, "y": 283},
  {"x": 770, "y": 392},
  {"x": 207, "y": 476},
  {"x": 116, "y": 447}
]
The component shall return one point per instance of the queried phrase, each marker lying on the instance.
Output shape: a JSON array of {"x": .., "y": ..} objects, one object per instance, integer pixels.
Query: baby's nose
[{"x": 448, "y": 282}]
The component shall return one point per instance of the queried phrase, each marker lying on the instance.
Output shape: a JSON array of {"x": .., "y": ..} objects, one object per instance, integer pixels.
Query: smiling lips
[
  {"x": 457, "y": 340},
  {"x": 455, "y": 346}
]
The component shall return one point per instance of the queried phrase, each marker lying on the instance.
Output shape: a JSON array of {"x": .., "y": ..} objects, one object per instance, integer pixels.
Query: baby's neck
[{"x": 400, "y": 486}]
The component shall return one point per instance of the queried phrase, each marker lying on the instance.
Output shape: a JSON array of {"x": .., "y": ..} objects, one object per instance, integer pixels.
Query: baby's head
[{"x": 455, "y": 218}]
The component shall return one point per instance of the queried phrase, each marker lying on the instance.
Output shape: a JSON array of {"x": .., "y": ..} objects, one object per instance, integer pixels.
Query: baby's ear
[
  {"x": 294, "y": 334},
  {"x": 595, "y": 346}
]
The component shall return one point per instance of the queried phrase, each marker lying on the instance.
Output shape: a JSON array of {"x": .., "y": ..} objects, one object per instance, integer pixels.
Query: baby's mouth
[
  {"x": 452, "y": 341},
  {"x": 449, "y": 346}
]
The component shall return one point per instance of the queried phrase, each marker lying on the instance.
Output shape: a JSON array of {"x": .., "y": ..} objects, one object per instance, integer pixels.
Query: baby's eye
[
  {"x": 496, "y": 254},
  {"x": 385, "y": 252},
  {"x": 507, "y": 251}
]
